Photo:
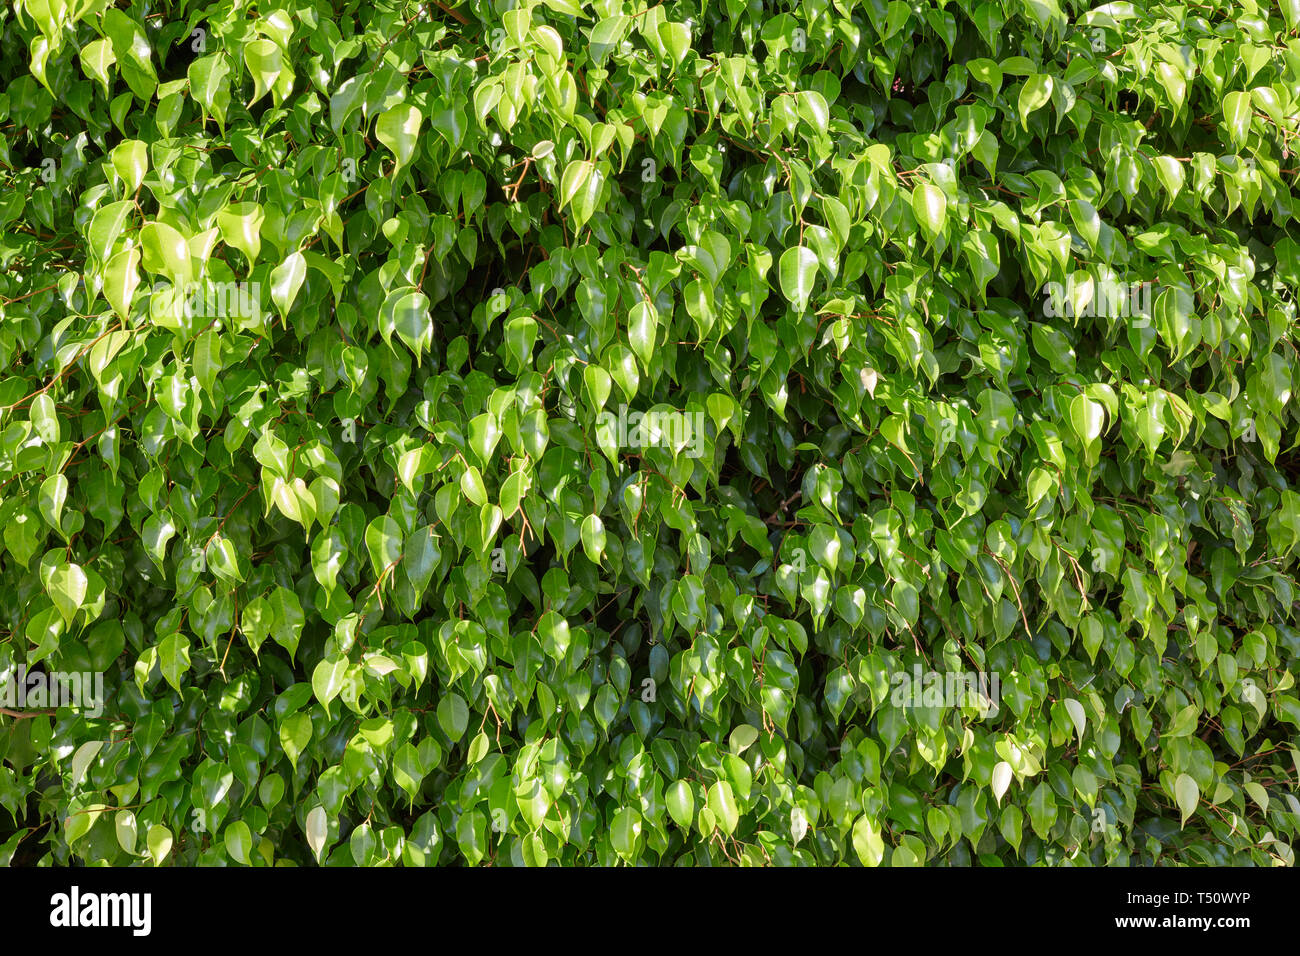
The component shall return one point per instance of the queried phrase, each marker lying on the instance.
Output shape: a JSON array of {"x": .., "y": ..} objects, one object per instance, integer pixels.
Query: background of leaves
[{"x": 825, "y": 227}]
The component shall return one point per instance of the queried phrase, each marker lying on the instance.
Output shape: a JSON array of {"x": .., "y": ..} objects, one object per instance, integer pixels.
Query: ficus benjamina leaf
[{"x": 650, "y": 434}]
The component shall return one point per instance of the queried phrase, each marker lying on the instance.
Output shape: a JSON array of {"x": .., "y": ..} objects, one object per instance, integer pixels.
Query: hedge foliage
[{"x": 552, "y": 431}]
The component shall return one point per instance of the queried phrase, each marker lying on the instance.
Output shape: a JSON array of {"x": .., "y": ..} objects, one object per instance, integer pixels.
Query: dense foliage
[{"x": 551, "y": 431}]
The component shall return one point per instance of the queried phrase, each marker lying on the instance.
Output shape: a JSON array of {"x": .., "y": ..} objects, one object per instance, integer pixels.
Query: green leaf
[
  {"x": 722, "y": 804},
  {"x": 174, "y": 658},
  {"x": 1034, "y": 95},
  {"x": 159, "y": 841},
  {"x": 453, "y": 716},
  {"x": 581, "y": 190},
  {"x": 130, "y": 160},
  {"x": 240, "y": 225},
  {"x": 593, "y": 538},
  {"x": 327, "y": 679},
  {"x": 398, "y": 129},
  {"x": 625, "y": 834},
  {"x": 1237, "y": 115},
  {"x": 407, "y": 313},
  {"x": 50, "y": 500},
  {"x": 931, "y": 209},
  {"x": 238, "y": 839},
  {"x": 295, "y": 733},
  {"x": 286, "y": 280},
  {"x": 798, "y": 272},
  {"x": 316, "y": 829},
  {"x": 642, "y": 330},
  {"x": 384, "y": 542},
  {"x": 1087, "y": 418},
  {"x": 165, "y": 252},
  {"x": 67, "y": 587},
  {"x": 681, "y": 803},
  {"x": 1002, "y": 775},
  {"x": 1187, "y": 794},
  {"x": 867, "y": 842},
  {"x": 264, "y": 60}
]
